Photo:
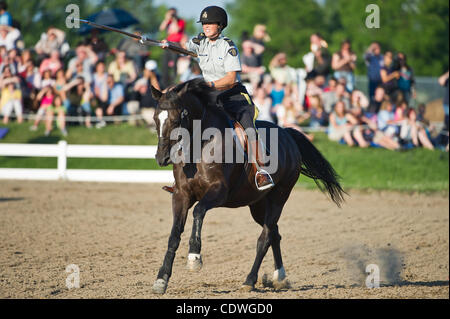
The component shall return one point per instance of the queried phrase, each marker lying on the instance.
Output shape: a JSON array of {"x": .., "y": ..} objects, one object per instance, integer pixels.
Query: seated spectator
[
  {"x": 5, "y": 16},
  {"x": 14, "y": 61},
  {"x": 344, "y": 63},
  {"x": 31, "y": 83},
  {"x": 7, "y": 63},
  {"x": 133, "y": 49},
  {"x": 3, "y": 53},
  {"x": 116, "y": 96},
  {"x": 258, "y": 40},
  {"x": 282, "y": 72},
  {"x": 358, "y": 99},
  {"x": 183, "y": 66},
  {"x": 332, "y": 83},
  {"x": 87, "y": 58},
  {"x": 122, "y": 69},
  {"x": 374, "y": 61},
  {"x": 45, "y": 98},
  {"x": 318, "y": 117},
  {"x": 341, "y": 124},
  {"x": 147, "y": 103},
  {"x": 99, "y": 86},
  {"x": 11, "y": 99},
  {"x": 98, "y": 44},
  {"x": 60, "y": 83},
  {"x": 386, "y": 120},
  {"x": 315, "y": 86},
  {"x": 9, "y": 37},
  {"x": 332, "y": 97},
  {"x": 47, "y": 79},
  {"x": 400, "y": 111},
  {"x": 406, "y": 80},
  {"x": 77, "y": 102},
  {"x": 251, "y": 69},
  {"x": 364, "y": 130},
  {"x": 23, "y": 61},
  {"x": 53, "y": 63},
  {"x": 318, "y": 61},
  {"x": 443, "y": 81},
  {"x": 389, "y": 76},
  {"x": 263, "y": 103},
  {"x": 192, "y": 72},
  {"x": 375, "y": 103},
  {"x": 367, "y": 132},
  {"x": 277, "y": 94},
  {"x": 413, "y": 131},
  {"x": 288, "y": 116},
  {"x": 79, "y": 72},
  {"x": 52, "y": 40},
  {"x": 57, "y": 108}
]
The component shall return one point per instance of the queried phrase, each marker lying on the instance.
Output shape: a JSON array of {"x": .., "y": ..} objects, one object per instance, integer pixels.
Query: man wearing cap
[{"x": 219, "y": 61}]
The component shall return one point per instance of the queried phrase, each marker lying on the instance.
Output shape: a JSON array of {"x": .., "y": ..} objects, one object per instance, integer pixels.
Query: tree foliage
[{"x": 419, "y": 28}]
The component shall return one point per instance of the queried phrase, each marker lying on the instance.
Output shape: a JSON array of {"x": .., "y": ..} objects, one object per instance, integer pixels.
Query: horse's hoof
[
  {"x": 194, "y": 262},
  {"x": 281, "y": 284},
  {"x": 160, "y": 286},
  {"x": 247, "y": 288}
]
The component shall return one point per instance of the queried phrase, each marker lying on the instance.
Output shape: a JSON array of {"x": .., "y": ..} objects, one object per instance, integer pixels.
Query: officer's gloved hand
[{"x": 164, "y": 44}]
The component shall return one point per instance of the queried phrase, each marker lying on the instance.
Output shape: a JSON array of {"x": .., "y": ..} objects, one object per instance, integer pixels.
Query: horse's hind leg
[
  {"x": 276, "y": 202},
  {"x": 279, "y": 275},
  {"x": 267, "y": 213},
  {"x": 260, "y": 212}
]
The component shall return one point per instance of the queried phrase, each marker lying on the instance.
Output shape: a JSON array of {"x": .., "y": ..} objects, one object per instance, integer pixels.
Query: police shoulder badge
[{"x": 232, "y": 51}]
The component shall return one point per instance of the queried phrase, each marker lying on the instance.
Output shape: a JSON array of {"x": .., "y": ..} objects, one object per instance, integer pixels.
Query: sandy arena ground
[{"x": 117, "y": 235}]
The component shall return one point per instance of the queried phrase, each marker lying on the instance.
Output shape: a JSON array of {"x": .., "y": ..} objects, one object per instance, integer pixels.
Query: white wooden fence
[{"x": 62, "y": 151}]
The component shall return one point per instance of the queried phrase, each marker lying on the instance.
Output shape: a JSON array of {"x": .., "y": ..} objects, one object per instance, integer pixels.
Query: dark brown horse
[{"x": 225, "y": 184}]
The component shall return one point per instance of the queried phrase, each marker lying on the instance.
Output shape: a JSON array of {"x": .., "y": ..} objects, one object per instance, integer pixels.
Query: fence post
[{"x": 62, "y": 159}]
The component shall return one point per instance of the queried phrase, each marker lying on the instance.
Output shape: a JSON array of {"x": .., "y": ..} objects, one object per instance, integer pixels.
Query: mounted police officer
[{"x": 219, "y": 61}]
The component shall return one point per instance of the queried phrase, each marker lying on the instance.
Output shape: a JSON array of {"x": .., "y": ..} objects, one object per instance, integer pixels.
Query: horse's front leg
[
  {"x": 180, "y": 207},
  {"x": 215, "y": 196}
]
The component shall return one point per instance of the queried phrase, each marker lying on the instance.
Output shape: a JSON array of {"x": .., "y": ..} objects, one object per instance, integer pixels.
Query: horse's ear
[
  {"x": 156, "y": 94},
  {"x": 184, "y": 89}
]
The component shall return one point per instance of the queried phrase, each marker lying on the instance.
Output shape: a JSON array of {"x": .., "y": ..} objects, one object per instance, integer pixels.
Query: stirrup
[{"x": 271, "y": 183}]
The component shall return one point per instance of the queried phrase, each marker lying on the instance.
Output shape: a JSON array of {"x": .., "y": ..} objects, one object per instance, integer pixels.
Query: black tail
[{"x": 315, "y": 166}]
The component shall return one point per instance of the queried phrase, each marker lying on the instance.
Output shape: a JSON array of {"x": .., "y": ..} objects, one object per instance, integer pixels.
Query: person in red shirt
[{"x": 174, "y": 26}]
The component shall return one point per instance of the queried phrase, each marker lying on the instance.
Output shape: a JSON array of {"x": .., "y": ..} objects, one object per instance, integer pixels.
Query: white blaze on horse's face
[{"x": 162, "y": 118}]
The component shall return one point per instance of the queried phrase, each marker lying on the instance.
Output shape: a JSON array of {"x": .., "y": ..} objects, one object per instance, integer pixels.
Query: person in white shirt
[{"x": 8, "y": 36}]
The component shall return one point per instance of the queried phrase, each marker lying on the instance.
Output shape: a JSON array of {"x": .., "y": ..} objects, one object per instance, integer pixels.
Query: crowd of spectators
[
  {"x": 53, "y": 80},
  {"x": 385, "y": 118}
]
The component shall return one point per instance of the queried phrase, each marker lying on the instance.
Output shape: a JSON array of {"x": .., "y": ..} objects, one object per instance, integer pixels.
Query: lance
[{"x": 142, "y": 39}]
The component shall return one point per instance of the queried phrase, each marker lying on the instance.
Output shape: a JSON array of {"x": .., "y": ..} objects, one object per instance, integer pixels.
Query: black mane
[{"x": 199, "y": 89}]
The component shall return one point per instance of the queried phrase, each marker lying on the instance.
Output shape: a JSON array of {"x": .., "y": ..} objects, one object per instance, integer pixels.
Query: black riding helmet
[{"x": 214, "y": 14}]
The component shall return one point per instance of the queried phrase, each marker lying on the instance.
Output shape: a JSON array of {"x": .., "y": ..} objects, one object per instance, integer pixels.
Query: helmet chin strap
[{"x": 219, "y": 31}]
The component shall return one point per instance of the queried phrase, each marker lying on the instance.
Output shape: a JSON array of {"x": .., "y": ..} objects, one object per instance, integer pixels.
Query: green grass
[
  {"x": 414, "y": 170},
  {"x": 375, "y": 168}
]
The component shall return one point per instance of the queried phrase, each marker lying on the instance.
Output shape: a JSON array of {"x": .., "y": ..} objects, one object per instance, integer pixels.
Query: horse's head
[{"x": 167, "y": 118}]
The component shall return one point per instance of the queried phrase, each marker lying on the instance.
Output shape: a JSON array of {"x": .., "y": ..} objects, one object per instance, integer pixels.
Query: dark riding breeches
[{"x": 239, "y": 105}]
